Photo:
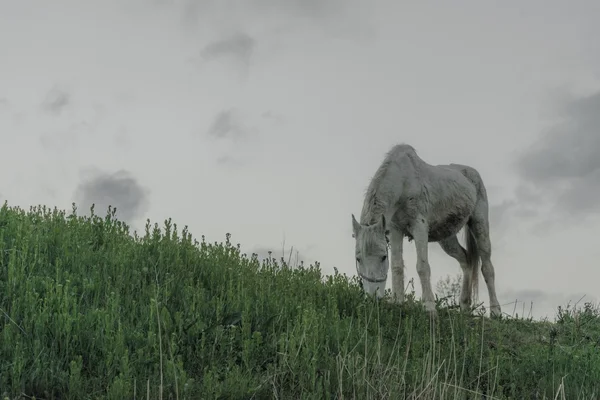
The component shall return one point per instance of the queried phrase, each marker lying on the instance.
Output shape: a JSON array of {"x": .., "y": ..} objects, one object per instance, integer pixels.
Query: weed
[{"x": 89, "y": 310}]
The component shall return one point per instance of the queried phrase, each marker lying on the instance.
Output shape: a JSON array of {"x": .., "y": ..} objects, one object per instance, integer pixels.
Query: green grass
[{"x": 89, "y": 311}]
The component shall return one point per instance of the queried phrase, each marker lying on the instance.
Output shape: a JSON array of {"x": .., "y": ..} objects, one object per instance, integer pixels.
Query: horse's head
[{"x": 371, "y": 252}]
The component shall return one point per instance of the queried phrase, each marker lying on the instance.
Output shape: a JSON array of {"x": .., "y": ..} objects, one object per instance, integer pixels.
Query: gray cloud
[
  {"x": 67, "y": 139},
  {"x": 8, "y": 109},
  {"x": 499, "y": 213},
  {"x": 229, "y": 161},
  {"x": 119, "y": 189},
  {"x": 238, "y": 47},
  {"x": 276, "y": 118},
  {"x": 527, "y": 294},
  {"x": 121, "y": 139},
  {"x": 304, "y": 8},
  {"x": 539, "y": 303},
  {"x": 240, "y": 25},
  {"x": 55, "y": 101},
  {"x": 190, "y": 13},
  {"x": 277, "y": 18},
  {"x": 228, "y": 124},
  {"x": 4, "y": 104},
  {"x": 563, "y": 166},
  {"x": 194, "y": 10}
]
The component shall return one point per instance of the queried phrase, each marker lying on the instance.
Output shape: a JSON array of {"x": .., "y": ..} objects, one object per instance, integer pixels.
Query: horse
[{"x": 407, "y": 197}]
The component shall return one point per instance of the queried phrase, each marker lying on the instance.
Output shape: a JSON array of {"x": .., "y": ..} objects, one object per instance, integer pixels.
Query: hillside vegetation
[{"x": 90, "y": 311}]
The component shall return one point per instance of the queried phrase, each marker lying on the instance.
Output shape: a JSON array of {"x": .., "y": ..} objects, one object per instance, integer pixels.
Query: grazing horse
[{"x": 426, "y": 203}]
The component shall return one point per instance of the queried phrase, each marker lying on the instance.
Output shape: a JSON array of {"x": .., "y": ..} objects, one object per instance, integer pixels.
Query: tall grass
[{"x": 90, "y": 311}]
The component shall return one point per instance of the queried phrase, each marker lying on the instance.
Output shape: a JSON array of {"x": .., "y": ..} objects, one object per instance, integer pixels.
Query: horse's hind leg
[
  {"x": 453, "y": 248},
  {"x": 480, "y": 228}
]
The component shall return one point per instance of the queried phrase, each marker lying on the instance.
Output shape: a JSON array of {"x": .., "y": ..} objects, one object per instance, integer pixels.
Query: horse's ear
[{"x": 355, "y": 226}]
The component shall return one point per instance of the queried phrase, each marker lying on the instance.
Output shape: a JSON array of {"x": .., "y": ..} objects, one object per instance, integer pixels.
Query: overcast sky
[{"x": 267, "y": 118}]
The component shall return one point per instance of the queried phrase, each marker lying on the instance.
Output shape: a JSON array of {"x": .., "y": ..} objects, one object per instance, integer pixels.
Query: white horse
[{"x": 426, "y": 203}]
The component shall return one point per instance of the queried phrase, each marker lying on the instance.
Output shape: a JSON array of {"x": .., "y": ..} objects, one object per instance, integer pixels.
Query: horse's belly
[{"x": 449, "y": 226}]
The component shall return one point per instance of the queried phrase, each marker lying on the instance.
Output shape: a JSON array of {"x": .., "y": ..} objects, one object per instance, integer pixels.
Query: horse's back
[{"x": 473, "y": 176}]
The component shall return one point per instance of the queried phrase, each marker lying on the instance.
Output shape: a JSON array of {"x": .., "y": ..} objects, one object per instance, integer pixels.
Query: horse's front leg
[
  {"x": 396, "y": 242},
  {"x": 420, "y": 234}
]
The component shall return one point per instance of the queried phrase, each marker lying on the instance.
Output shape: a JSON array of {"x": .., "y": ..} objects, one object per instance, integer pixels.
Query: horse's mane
[{"x": 375, "y": 202}]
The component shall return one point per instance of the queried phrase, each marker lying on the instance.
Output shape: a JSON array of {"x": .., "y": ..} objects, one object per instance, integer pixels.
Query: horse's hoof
[
  {"x": 430, "y": 308},
  {"x": 495, "y": 312},
  {"x": 397, "y": 299}
]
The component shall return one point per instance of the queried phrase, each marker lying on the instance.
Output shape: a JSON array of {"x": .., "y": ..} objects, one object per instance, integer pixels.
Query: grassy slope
[{"x": 88, "y": 311}]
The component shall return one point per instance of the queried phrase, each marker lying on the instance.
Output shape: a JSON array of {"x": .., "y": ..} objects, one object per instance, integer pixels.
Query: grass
[{"x": 89, "y": 311}]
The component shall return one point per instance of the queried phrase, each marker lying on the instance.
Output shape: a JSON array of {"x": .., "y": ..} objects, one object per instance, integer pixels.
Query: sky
[{"x": 267, "y": 118}]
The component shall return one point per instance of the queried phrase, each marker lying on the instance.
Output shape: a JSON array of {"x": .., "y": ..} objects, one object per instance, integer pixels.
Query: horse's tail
[{"x": 473, "y": 262}]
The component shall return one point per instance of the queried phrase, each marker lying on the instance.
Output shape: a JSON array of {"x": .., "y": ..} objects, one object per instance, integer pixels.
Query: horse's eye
[
  {"x": 383, "y": 258},
  {"x": 358, "y": 259}
]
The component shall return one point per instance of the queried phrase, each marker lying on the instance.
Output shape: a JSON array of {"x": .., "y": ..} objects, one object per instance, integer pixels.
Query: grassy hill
[{"x": 89, "y": 311}]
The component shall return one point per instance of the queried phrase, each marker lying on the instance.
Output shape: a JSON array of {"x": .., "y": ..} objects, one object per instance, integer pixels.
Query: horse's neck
[
  {"x": 380, "y": 203},
  {"x": 407, "y": 173}
]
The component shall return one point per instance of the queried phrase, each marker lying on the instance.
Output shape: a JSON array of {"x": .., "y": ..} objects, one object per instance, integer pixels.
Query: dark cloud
[
  {"x": 228, "y": 124},
  {"x": 238, "y": 47},
  {"x": 228, "y": 127},
  {"x": 563, "y": 166},
  {"x": 56, "y": 100},
  {"x": 120, "y": 190}
]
